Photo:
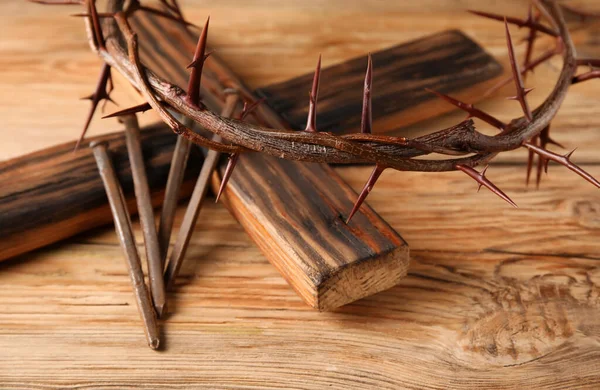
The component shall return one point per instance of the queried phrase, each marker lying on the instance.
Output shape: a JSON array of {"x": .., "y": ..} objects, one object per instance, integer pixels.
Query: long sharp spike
[
  {"x": 530, "y": 160},
  {"x": 538, "y": 177},
  {"x": 484, "y": 181},
  {"x": 233, "y": 159},
  {"x": 545, "y": 138},
  {"x": 377, "y": 171},
  {"x": 311, "y": 123},
  {"x": 366, "y": 122},
  {"x": 96, "y": 24},
  {"x": 532, "y": 65},
  {"x": 131, "y": 110},
  {"x": 98, "y": 95},
  {"x": 193, "y": 92},
  {"x": 565, "y": 161},
  {"x": 593, "y": 74},
  {"x": 250, "y": 108},
  {"x": 521, "y": 91},
  {"x": 471, "y": 110}
]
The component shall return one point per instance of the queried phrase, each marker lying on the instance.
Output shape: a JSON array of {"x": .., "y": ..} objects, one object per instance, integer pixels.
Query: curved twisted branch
[
  {"x": 324, "y": 147},
  {"x": 114, "y": 41}
]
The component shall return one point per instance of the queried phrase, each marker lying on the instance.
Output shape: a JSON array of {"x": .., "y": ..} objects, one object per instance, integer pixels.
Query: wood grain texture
[
  {"x": 447, "y": 62},
  {"x": 55, "y": 193},
  {"x": 495, "y": 298},
  {"x": 293, "y": 211},
  {"x": 304, "y": 234}
]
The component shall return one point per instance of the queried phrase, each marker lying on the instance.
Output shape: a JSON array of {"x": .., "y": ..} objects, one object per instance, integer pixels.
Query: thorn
[
  {"x": 483, "y": 175},
  {"x": 249, "y": 108},
  {"x": 521, "y": 91},
  {"x": 366, "y": 121},
  {"x": 98, "y": 95},
  {"x": 545, "y": 138},
  {"x": 377, "y": 171},
  {"x": 518, "y": 22},
  {"x": 96, "y": 24},
  {"x": 233, "y": 159},
  {"x": 565, "y": 161},
  {"x": 196, "y": 62},
  {"x": 484, "y": 181},
  {"x": 193, "y": 92},
  {"x": 471, "y": 110},
  {"x": 534, "y": 64},
  {"x": 131, "y": 110},
  {"x": 593, "y": 74},
  {"x": 538, "y": 178},
  {"x": 530, "y": 159},
  {"x": 311, "y": 123}
]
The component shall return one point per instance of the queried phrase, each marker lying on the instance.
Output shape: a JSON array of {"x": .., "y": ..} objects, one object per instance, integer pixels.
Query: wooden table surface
[{"x": 495, "y": 297}]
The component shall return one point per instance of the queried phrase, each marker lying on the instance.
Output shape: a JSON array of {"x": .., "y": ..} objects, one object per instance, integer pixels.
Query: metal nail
[
  {"x": 146, "y": 213},
  {"x": 179, "y": 160},
  {"x": 195, "y": 204},
  {"x": 124, "y": 233}
]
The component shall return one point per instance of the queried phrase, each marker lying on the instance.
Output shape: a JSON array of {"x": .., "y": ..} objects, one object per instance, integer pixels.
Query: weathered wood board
[
  {"x": 51, "y": 195},
  {"x": 495, "y": 298}
]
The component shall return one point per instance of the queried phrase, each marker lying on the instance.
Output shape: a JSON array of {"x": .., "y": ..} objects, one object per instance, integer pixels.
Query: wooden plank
[
  {"x": 448, "y": 62},
  {"x": 54, "y": 194},
  {"x": 304, "y": 234},
  {"x": 299, "y": 227}
]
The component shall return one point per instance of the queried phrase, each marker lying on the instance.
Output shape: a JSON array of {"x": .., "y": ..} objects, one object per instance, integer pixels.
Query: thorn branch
[
  {"x": 98, "y": 35},
  {"x": 99, "y": 94},
  {"x": 530, "y": 160},
  {"x": 366, "y": 121},
  {"x": 529, "y": 68},
  {"x": 233, "y": 159},
  {"x": 193, "y": 91},
  {"x": 521, "y": 91},
  {"x": 377, "y": 171},
  {"x": 471, "y": 110},
  {"x": 592, "y": 74},
  {"x": 485, "y": 182},
  {"x": 129, "y": 111},
  {"x": 563, "y": 160},
  {"x": 311, "y": 123}
]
